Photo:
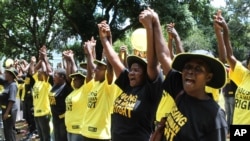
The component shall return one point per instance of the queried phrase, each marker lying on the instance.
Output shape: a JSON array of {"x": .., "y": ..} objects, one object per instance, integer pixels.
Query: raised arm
[
  {"x": 88, "y": 49},
  {"x": 71, "y": 67},
  {"x": 161, "y": 48},
  {"x": 32, "y": 64},
  {"x": 220, "y": 41},
  {"x": 229, "y": 51},
  {"x": 153, "y": 69},
  {"x": 47, "y": 64},
  {"x": 110, "y": 72},
  {"x": 173, "y": 35},
  {"x": 123, "y": 54},
  {"x": 112, "y": 56},
  {"x": 24, "y": 65}
]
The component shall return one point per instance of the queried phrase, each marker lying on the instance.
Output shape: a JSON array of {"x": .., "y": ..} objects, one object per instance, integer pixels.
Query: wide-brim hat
[
  {"x": 13, "y": 71},
  {"x": 79, "y": 72},
  {"x": 102, "y": 62},
  {"x": 217, "y": 68},
  {"x": 136, "y": 59},
  {"x": 83, "y": 63}
]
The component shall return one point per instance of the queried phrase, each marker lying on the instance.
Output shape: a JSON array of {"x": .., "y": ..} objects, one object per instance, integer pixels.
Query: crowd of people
[{"x": 166, "y": 94}]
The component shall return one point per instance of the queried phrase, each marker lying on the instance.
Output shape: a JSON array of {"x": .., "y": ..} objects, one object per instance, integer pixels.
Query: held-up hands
[
  {"x": 89, "y": 46},
  {"x": 43, "y": 53},
  {"x": 68, "y": 54},
  {"x": 104, "y": 29},
  {"x": 148, "y": 17},
  {"x": 219, "y": 21},
  {"x": 172, "y": 33}
]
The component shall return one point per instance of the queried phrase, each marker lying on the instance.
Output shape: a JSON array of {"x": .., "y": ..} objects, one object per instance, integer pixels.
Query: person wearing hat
[
  {"x": 99, "y": 82},
  {"x": 28, "y": 112},
  {"x": 8, "y": 103},
  {"x": 238, "y": 73},
  {"x": 135, "y": 106},
  {"x": 83, "y": 65},
  {"x": 167, "y": 101},
  {"x": 196, "y": 115},
  {"x": 41, "y": 89},
  {"x": 75, "y": 100}
]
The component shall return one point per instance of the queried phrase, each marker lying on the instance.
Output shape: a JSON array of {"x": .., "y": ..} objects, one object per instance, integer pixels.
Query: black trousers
[
  {"x": 9, "y": 125},
  {"x": 28, "y": 113}
]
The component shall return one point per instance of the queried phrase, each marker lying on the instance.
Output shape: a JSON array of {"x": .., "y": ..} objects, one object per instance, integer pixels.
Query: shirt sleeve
[
  {"x": 237, "y": 73},
  {"x": 123, "y": 81},
  {"x": 173, "y": 83},
  {"x": 155, "y": 88},
  {"x": 12, "y": 92}
]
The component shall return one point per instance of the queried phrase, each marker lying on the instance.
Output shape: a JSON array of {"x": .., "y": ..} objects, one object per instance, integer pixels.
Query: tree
[
  {"x": 197, "y": 40},
  {"x": 237, "y": 15},
  {"x": 26, "y": 25},
  {"x": 122, "y": 15}
]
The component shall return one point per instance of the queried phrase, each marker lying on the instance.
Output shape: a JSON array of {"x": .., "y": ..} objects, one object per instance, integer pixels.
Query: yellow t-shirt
[
  {"x": 241, "y": 76},
  {"x": 1, "y": 88},
  {"x": 75, "y": 109},
  {"x": 26, "y": 82},
  {"x": 215, "y": 93},
  {"x": 40, "y": 96},
  {"x": 19, "y": 91},
  {"x": 165, "y": 106},
  {"x": 97, "y": 117}
]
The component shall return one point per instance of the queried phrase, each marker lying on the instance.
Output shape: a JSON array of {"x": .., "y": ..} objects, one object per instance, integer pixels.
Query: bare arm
[
  {"x": 123, "y": 55},
  {"x": 70, "y": 63},
  {"x": 88, "y": 49},
  {"x": 48, "y": 66},
  {"x": 113, "y": 58},
  {"x": 110, "y": 73},
  {"x": 229, "y": 51},
  {"x": 153, "y": 69},
  {"x": 161, "y": 48},
  {"x": 221, "y": 45},
  {"x": 173, "y": 35}
]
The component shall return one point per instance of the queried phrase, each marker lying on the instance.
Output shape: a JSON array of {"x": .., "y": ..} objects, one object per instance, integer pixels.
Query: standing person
[
  {"x": 8, "y": 103},
  {"x": 41, "y": 89},
  {"x": 99, "y": 98},
  {"x": 238, "y": 73},
  {"x": 28, "y": 111},
  {"x": 167, "y": 102},
  {"x": 229, "y": 98},
  {"x": 196, "y": 115},
  {"x": 135, "y": 108},
  {"x": 75, "y": 100},
  {"x": 60, "y": 90}
]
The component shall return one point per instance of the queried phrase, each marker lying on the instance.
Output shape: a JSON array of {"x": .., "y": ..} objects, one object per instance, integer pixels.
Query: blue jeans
[
  {"x": 43, "y": 128},
  {"x": 74, "y": 137},
  {"x": 229, "y": 109}
]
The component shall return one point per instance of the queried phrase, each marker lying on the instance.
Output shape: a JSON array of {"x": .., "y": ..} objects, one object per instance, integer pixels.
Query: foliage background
[{"x": 25, "y": 25}]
